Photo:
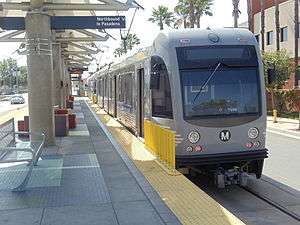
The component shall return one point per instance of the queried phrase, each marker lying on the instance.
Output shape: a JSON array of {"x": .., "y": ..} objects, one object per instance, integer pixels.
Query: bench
[{"x": 17, "y": 147}]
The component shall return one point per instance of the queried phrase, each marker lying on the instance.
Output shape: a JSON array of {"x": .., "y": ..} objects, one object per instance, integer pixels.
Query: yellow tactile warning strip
[{"x": 188, "y": 202}]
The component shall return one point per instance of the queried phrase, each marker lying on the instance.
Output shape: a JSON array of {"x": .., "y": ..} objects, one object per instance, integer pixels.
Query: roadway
[
  {"x": 6, "y": 107},
  {"x": 284, "y": 155}
]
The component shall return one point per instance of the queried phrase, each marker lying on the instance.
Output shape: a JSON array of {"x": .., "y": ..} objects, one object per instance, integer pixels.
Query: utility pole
[
  {"x": 236, "y": 12},
  {"x": 262, "y": 10},
  {"x": 10, "y": 81},
  {"x": 277, "y": 24},
  {"x": 296, "y": 7},
  {"x": 17, "y": 80}
]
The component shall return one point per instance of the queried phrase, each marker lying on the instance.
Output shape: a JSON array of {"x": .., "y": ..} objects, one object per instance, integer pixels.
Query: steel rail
[{"x": 274, "y": 204}]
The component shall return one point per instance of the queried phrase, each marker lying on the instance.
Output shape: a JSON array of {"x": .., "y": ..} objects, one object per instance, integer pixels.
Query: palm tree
[
  {"x": 182, "y": 11},
  {"x": 277, "y": 25},
  {"x": 128, "y": 43},
  {"x": 162, "y": 16},
  {"x": 250, "y": 16},
  {"x": 236, "y": 12},
  {"x": 203, "y": 7},
  {"x": 131, "y": 41},
  {"x": 191, "y": 11}
]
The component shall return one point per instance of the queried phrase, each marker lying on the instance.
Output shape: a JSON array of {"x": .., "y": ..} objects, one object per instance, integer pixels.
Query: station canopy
[
  {"x": 78, "y": 45},
  {"x": 114, "y": 3}
]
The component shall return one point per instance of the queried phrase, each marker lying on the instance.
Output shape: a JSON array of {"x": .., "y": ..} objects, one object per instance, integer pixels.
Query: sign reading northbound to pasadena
[
  {"x": 88, "y": 22},
  {"x": 69, "y": 22}
]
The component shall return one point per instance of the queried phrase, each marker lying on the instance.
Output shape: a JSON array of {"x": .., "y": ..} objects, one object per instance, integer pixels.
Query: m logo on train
[{"x": 225, "y": 135}]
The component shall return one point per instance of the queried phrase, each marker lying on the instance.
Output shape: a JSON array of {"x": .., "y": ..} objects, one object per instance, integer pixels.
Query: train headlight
[
  {"x": 194, "y": 137},
  {"x": 253, "y": 133},
  {"x": 189, "y": 149}
]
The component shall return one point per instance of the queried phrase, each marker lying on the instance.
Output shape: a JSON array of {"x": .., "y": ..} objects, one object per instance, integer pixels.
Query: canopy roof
[{"x": 73, "y": 48}]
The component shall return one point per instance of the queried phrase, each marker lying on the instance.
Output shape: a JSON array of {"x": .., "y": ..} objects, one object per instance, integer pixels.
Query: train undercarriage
[{"x": 227, "y": 168}]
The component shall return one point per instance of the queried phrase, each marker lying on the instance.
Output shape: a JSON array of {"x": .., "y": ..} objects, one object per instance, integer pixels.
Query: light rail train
[{"x": 206, "y": 85}]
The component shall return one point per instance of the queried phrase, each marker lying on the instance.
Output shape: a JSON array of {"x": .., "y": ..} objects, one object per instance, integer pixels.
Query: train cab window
[{"x": 160, "y": 89}]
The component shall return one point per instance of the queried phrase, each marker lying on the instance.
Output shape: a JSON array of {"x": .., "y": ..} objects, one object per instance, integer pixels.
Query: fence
[
  {"x": 161, "y": 142},
  {"x": 7, "y": 134}
]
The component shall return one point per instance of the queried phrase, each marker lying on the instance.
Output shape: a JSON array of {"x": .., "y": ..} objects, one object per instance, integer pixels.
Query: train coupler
[{"x": 233, "y": 176}]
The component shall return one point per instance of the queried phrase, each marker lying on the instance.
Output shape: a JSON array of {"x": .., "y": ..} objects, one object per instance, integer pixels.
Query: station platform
[{"x": 102, "y": 174}]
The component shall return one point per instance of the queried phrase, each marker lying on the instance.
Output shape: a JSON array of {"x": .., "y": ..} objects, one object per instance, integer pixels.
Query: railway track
[
  {"x": 204, "y": 182},
  {"x": 273, "y": 203}
]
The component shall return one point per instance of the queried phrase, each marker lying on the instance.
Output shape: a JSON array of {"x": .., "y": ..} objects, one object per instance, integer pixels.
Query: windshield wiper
[{"x": 207, "y": 81}]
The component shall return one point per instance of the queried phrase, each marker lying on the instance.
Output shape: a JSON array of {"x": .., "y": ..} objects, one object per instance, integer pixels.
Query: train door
[
  {"x": 141, "y": 75},
  {"x": 115, "y": 94},
  {"x": 103, "y": 92}
]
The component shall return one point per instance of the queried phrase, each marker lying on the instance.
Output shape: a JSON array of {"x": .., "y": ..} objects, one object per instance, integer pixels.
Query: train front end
[{"x": 221, "y": 125}]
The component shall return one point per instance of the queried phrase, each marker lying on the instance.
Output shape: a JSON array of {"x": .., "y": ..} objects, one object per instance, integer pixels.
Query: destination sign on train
[{"x": 69, "y": 22}]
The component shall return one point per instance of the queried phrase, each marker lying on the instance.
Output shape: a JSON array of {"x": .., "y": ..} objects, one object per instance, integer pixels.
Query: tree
[
  {"x": 11, "y": 74},
  {"x": 282, "y": 66},
  {"x": 129, "y": 42},
  {"x": 202, "y": 7},
  {"x": 250, "y": 16},
  {"x": 23, "y": 76},
  {"x": 236, "y": 12},
  {"x": 191, "y": 11},
  {"x": 162, "y": 16},
  {"x": 182, "y": 11},
  {"x": 8, "y": 68}
]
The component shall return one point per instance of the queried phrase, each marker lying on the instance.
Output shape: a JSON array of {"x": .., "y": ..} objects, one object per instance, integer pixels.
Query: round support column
[
  {"x": 63, "y": 94},
  {"x": 40, "y": 74},
  {"x": 57, "y": 74}
]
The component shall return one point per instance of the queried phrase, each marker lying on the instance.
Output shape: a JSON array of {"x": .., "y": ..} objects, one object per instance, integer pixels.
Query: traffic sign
[{"x": 69, "y": 22}]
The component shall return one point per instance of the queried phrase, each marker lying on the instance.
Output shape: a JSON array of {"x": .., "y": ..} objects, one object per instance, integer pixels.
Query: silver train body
[{"x": 206, "y": 85}]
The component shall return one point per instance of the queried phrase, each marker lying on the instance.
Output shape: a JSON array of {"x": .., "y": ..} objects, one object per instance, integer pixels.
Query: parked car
[{"x": 17, "y": 100}]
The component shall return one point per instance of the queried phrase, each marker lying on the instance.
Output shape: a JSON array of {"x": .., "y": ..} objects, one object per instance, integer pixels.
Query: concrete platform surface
[
  {"x": 82, "y": 181},
  {"x": 190, "y": 204}
]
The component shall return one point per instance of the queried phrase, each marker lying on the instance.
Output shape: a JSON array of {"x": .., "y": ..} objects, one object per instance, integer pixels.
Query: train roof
[
  {"x": 191, "y": 37},
  {"x": 188, "y": 37}
]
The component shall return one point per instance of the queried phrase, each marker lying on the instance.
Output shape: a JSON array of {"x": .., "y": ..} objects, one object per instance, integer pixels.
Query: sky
[{"x": 145, "y": 30}]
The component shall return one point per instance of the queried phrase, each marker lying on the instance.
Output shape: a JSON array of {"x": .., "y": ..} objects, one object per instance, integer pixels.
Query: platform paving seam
[
  {"x": 139, "y": 177},
  {"x": 42, "y": 216}
]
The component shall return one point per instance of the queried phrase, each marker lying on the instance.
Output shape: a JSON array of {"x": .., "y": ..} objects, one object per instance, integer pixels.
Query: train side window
[
  {"x": 125, "y": 89},
  {"x": 160, "y": 89}
]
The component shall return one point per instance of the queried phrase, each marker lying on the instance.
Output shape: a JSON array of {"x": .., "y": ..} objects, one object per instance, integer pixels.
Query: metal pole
[
  {"x": 296, "y": 57},
  {"x": 277, "y": 24},
  {"x": 17, "y": 81},
  {"x": 262, "y": 18}
]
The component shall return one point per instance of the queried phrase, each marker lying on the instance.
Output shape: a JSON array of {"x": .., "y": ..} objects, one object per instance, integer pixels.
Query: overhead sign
[
  {"x": 12, "y": 23},
  {"x": 69, "y": 22},
  {"x": 77, "y": 70},
  {"x": 88, "y": 22}
]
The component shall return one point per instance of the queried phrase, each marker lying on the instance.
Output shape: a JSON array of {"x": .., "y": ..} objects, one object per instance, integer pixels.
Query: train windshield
[{"x": 222, "y": 89}]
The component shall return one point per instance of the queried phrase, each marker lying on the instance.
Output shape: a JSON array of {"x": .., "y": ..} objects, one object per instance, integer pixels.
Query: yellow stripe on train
[{"x": 161, "y": 142}]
